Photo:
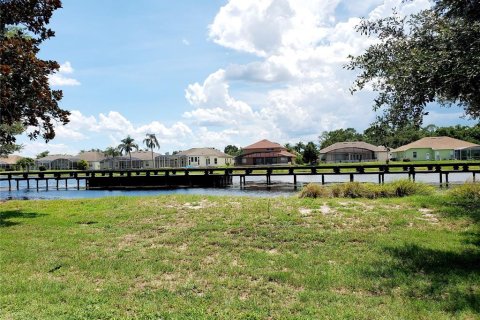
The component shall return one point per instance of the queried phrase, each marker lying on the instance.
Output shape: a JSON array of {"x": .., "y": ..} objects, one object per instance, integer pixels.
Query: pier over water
[{"x": 221, "y": 177}]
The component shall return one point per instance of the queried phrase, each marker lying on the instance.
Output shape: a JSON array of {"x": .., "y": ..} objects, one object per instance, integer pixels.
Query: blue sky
[{"x": 210, "y": 73}]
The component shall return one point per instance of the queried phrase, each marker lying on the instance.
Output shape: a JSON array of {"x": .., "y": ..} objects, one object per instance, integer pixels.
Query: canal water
[{"x": 255, "y": 187}]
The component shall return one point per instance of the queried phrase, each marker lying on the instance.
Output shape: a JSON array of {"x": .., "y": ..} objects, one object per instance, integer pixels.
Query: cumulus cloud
[
  {"x": 61, "y": 79},
  {"x": 298, "y": 50}
]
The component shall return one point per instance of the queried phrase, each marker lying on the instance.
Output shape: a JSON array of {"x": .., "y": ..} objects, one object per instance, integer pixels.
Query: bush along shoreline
[{"x": 399, "y": 188}]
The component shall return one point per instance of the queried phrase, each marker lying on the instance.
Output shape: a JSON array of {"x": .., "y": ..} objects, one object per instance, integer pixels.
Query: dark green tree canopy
[
  {"x": 310, "y": 153},
  {"x": 328, "y": 138},
  {"x": 432, "y": 56},
  {"x": 232, "y": 150},
  {"x": 25, "y": 94}
]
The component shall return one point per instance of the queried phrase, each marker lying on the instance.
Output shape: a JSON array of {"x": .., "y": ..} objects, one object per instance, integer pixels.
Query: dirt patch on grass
[
  {"x": 324, "y": 209},
  {"x": 428, "y": 216}
]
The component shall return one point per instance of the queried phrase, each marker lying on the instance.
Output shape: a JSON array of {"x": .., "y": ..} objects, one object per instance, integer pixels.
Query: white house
[{"x": 195, "y": 157}]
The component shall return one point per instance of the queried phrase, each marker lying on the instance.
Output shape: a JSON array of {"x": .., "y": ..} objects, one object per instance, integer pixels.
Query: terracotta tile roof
[
  {"x": 353, "y": 144},
  {"x": 264, "y": 144},
  {"x": 11, "y": 159},
  {"x": 206, "y": 152},
  {"x": 437, "y": 143},
  {"x": 269, "y": 155}
]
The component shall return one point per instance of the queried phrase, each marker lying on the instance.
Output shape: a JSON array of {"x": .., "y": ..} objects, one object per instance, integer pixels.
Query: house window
[
  {"x": 414, "y": 154},
  {"x": 215, "y": 160}
]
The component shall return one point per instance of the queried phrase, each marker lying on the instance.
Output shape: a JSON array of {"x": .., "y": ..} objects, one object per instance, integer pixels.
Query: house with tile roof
[
  {"x": 437, "y": 148},
  {"x": 265, "y": 152},
  {"x": 353, "y": 151},
  {"x": 194, "y": 157},
  {"x": 8, "y": 162},
  {"x": 93, "y": 158}
]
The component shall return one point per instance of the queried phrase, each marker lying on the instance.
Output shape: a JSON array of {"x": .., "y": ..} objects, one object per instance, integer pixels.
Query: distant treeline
[{"x": 385, "y": 136}]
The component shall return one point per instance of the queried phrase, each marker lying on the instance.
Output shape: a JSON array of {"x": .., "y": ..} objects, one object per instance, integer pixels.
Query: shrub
[
  {"x": 82, "y": 165},
  {"x": 42, "y": 168},
  {"x": 406, "y": 160},
  {"x": 353, "y": 190},
  {"x": 405, "y": 187},
  {"x": 313, "y": 190},
  {"x": 466, "y": 194}
]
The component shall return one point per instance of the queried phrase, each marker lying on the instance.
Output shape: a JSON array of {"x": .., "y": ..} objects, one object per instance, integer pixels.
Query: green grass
[{"x": 197, "y": 257}]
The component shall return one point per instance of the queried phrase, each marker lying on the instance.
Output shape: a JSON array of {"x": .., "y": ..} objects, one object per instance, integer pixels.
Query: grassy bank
[{"x": 196, "y": 257}]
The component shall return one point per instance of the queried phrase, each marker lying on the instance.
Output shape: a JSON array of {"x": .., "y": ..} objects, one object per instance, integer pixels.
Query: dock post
[
  {"x": 383, "y": 178},
  {"x": 57, "y": 182},
  {"x": 18, "y": 188},
  {"x": 441, "y": 179},
  {"x": 379, "y": 178},
  {"x": 78, "y": 184},
  {"x": 46, "y": 184},
  {"x": 28, "y": 183},
  {"x": 323, "y": 179},
  {"x": 351, "y": 177},
  {"x": 37, "y": 183},
  {"x": 66, "y": 187},
  {"x": 9, "y": 185},
  {"x": 446, "y": 178},
  {"x": 295, "y": 180},
  {"x": 474, "y": 177},
  {"x": 413, "y": 177}
]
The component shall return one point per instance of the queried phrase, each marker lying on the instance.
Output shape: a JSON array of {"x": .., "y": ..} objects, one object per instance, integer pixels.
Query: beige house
[
  {"x": 195, "y": 157},
  {"x": 8, "y": 163},
  {"x": 93, "y": 158},
  {"x": 139, "y": 160},
  {"x": 355, "y": 151}
]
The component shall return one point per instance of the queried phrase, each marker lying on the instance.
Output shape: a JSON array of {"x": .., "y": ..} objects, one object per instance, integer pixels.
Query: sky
[{"x": 211, "y": 73}]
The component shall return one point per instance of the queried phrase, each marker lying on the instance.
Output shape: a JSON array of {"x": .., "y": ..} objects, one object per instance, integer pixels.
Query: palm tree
[
  {"x": 151, "y": 142},
  {"x": 127, "y": 146},
  {"x": 112, "y": 152}
]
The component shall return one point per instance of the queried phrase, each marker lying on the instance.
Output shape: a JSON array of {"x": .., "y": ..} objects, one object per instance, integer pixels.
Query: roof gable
[
  {"x": 353, "y": 144},
  {"x": 264, "y": 144},
  {"x": 206, "y": 152},
  {"x": 437, "y": 143}
]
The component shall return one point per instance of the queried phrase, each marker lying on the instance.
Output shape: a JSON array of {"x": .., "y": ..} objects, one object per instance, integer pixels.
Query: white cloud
[
  {"x": 60, "y": 78},
  {"x": 185, "y": 42},
  {"x": 299, "y": 48}
]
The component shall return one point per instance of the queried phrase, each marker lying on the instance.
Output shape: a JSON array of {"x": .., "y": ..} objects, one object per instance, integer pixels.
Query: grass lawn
[{"x": 197, "y": 257}]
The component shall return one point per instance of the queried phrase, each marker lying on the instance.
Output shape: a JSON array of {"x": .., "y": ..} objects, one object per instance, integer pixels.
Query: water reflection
[{"x": 255, "y": 187}]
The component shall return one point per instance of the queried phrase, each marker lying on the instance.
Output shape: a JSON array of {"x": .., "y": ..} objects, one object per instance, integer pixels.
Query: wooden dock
[{"x": 220, "y": 177}]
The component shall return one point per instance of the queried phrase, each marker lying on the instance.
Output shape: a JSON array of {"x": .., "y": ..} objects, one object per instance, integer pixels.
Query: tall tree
[
  {"x": 25, "y": 163},
  {"x": 310, "y": 153},
  {"x": 8, "y": 148},
  {"x": 299, "y": 147},
  {"x": 25, "y": 94},
  {"x": 128, "y": 145},
  {"x": 151, "y": 142},
  {"x": 432, "y": 56},
  {"x": 231, "y": 150},
  {"x": 328, "y": 138},
  {"x": 42, "y": 154}
]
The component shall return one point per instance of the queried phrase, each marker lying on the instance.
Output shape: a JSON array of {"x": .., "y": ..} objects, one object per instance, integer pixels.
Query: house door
[
  {"x": 427, "y": 156},
  {"x": 437, "y": 155}
]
